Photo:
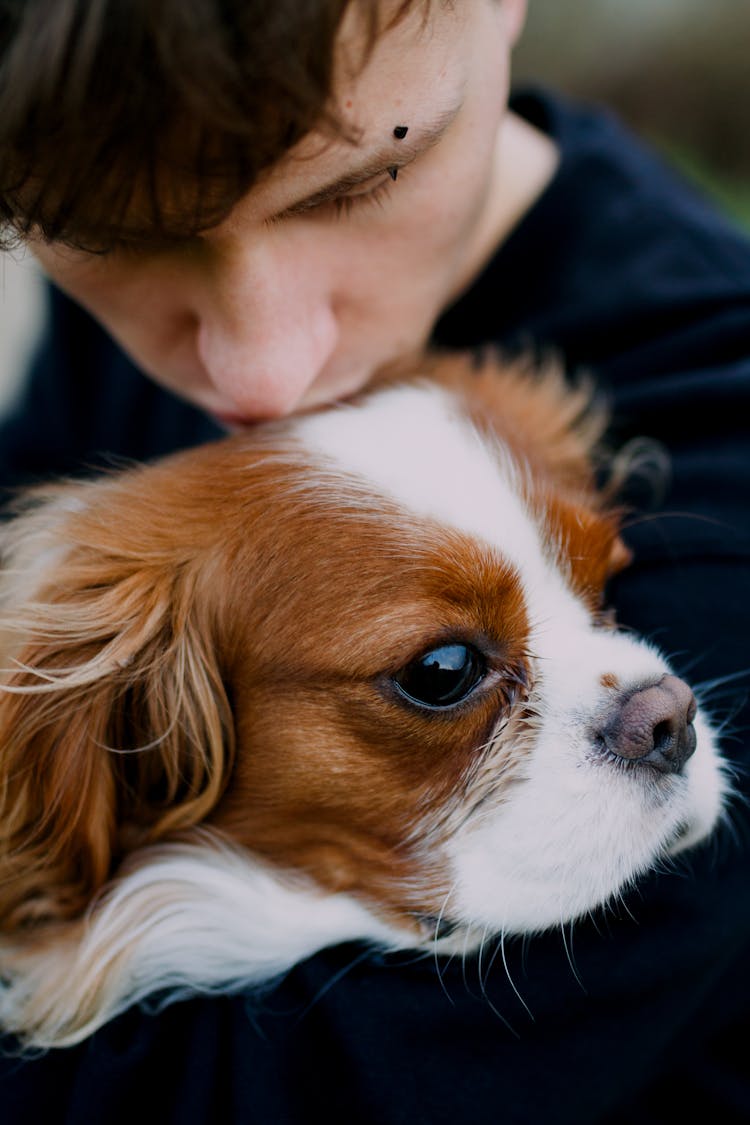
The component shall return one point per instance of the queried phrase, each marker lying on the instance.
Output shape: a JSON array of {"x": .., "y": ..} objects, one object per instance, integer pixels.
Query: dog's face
[
  {"x": 435, "y": 718},
  {"x": 368, "y": 646}
]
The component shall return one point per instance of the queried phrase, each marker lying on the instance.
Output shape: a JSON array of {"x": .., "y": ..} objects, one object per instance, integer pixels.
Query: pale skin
[{"x": 289, "y": 303}]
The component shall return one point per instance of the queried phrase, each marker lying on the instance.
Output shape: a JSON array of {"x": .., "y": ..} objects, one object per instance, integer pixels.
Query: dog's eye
[{"x": 441, "y": 677}]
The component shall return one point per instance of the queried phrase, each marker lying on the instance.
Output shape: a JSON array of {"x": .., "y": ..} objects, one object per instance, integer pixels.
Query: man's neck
[{"x": 525, "y": 162}]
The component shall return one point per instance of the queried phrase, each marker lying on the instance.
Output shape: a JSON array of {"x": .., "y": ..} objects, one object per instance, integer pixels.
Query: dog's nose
[{"x": 654, "y": 726}]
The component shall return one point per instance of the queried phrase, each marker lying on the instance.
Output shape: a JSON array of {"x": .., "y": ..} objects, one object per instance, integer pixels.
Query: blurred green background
[{"x": 678, "y": 71}]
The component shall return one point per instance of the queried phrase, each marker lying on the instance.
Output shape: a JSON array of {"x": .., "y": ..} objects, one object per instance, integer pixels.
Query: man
[
  {"x": 295, "y": 296},
  {"x": 261, "y": 205}
]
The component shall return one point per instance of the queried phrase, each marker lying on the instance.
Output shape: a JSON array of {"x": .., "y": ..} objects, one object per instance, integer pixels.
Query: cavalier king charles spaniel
[{"x": 342, "y": 676}]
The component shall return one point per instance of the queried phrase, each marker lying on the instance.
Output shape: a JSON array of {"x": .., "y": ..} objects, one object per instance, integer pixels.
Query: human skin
[{"x": 280, "y": 308}]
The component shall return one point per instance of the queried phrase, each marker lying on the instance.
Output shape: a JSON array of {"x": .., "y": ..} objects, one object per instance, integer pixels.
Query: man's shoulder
[
  {"x": 607, "y": 171},
  {"x": 618, "y": 247}
]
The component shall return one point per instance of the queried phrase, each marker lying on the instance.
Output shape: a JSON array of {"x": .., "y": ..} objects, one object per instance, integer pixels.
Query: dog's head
[{"x": 367, "y": 645}]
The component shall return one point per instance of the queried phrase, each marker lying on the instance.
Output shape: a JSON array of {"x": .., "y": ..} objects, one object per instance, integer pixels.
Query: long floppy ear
[{"x": 115, "y": 728}]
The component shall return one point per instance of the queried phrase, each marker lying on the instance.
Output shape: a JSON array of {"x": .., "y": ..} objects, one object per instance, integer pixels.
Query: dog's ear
[{"x": 115, "y": 727}]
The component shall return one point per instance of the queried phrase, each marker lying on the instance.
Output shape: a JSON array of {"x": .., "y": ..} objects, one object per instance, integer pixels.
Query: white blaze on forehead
[{"x": 415, "y": 445}]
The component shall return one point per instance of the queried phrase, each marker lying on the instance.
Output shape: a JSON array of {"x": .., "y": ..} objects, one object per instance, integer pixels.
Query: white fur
[
  {"x": 412, "y": 445},
  {"x": 190, "y": 917}
]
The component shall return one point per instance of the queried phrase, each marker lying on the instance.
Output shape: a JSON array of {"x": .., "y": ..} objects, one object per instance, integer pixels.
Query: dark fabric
[
  {"x": 641, "y": 1013},
  {"x": 87, "y": 406}
]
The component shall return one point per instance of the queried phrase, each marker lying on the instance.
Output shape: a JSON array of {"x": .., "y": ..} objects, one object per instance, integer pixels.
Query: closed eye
[
  {"x": 373, "y": 190},
  {"x": 343, "y": 205}
]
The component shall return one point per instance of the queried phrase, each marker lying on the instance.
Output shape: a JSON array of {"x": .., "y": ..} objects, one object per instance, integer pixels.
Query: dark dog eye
[{"x": 441, "y": 677}]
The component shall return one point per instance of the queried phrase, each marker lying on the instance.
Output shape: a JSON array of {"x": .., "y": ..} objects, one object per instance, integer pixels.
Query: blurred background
[{"x": 676, "y": 70}]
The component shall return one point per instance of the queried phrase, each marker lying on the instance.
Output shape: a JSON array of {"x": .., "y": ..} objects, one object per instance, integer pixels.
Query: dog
[{"x": 343, "y": 676}]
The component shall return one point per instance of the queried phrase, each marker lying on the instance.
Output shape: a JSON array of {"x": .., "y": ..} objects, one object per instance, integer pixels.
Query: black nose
[{"x": 653, "y": 726}]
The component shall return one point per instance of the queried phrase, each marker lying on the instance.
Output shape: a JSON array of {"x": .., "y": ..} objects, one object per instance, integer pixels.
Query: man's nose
[{"x": 266, "y": 330}]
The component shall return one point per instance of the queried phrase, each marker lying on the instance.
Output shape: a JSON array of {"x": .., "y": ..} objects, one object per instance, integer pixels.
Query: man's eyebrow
[{"x": 422, "y": 138}]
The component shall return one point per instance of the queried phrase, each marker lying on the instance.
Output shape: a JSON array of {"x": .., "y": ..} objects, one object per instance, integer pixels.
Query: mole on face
[{"x": 400, "y": 132}]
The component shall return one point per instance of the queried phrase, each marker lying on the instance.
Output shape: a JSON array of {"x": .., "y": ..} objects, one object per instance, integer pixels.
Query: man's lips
[
  {"x": 232, "y": 421},
  {"x": 315, "y": 399}
]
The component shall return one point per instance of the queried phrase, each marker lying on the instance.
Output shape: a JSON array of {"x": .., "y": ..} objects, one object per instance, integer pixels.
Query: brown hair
[{"x": 180, "y": 104}]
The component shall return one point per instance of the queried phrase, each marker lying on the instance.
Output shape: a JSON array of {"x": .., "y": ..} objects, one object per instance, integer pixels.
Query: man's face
[{"x": 290, "y": 302}]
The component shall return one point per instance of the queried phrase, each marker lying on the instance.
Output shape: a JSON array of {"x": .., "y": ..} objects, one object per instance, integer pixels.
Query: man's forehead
[
  {"x": 413, "y": 80},
  {"x": 419, "y": 47}
]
